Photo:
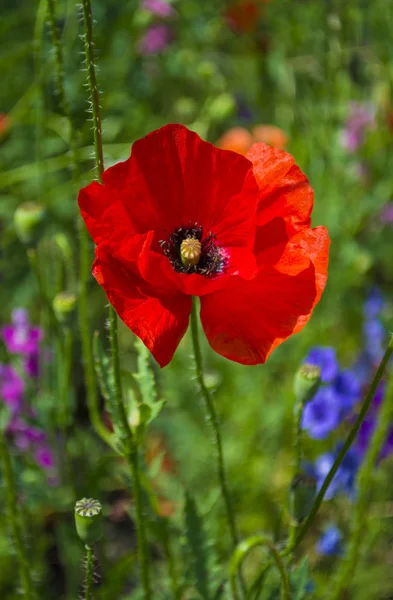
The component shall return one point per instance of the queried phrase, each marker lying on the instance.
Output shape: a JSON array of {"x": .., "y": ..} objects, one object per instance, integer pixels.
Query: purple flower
[
  {"x": 361, "y": 117},
  {"x": 156, "y": 39},
  {"x": 11, "y": 388},
  {"x": 20, "y": 337},
  {"x": 324, "y": 357},
  {"x": 44, "y": 457},
  {"x": 322, "y": 414},
  {"x": 330, "y": 542},
  {"x": 160, "y": 8}
]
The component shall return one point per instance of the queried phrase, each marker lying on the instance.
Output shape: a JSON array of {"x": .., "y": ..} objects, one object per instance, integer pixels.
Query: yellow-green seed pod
[
  {"x": 28, "y": 220},
  {"x": 64, "y": 306},
  {"x": 301, "y": 496},
  {"x": 88, "y": 520},
  {"x": 306, "y": 383}
]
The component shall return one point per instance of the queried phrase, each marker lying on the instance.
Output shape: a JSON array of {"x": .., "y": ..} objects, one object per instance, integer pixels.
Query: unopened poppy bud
[
  {"x": 307, "y": 382},
  {"x": 88, "y": 520},
  {"x": 28, "y": 220},
  {"x": 301, "y": 496},
  {"x": 190, "y": 251},
  {"x": 64, "y": 305}
]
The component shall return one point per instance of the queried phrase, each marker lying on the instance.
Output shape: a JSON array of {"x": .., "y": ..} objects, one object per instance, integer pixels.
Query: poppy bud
[
  {"x": 307, "y": 382},
  {"x": 64, "y": 305},
  {"x": 28, "y": 220},
  {"x": 301, "y": 496},
  {"x": 88, "y": 520}
]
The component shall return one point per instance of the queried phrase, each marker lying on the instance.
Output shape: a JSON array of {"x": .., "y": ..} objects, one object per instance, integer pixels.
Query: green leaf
[
  {"x": 145, "y": 375},
  {"x": 198, "y": 546}
]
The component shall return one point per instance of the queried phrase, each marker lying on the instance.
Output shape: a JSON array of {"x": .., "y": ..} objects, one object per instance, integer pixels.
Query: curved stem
[
  {"x": 15, "y": 518},
  {"x": 341, "y": 455},
  {"x": 243, "y": 550},
  {"x": 89, "y": 573},
  {"x": 213, "y": 420},
  {"x": 365, "y": 484}
]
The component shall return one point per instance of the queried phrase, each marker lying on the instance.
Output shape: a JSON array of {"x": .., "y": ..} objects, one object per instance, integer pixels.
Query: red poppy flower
[{"x": 182, "y": 218}]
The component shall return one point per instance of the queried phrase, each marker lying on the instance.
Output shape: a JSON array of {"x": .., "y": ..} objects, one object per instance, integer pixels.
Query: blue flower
[
  {"x": 322, "y": 414},
  {"x": 347, "y": 388},
  {"x": 324, "y": 357},
  {"x": 344, "y": 480},
  {"x": 374, "y": 335},
  {"x": 374, "y": 304},
  {"x": 330, "y": 542}
]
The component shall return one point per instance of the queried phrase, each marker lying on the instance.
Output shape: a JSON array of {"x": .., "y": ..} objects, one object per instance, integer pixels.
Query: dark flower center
[{"x": 189, "y": 251}]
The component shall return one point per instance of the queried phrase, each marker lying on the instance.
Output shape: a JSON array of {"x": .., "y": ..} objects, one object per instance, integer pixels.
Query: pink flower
[
  {"x": 361, "y": 118},
  {"x": 160, "y": 8},
  {"x": 156, "y": 39}
]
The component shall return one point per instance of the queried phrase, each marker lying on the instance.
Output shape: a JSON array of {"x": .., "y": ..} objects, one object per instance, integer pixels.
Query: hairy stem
[
  {"x": 213, "y": 420},
  {"x": 131, "y": 445},
  {"x": 89, "y": 573},
  {"x": 15, "y": 519}
]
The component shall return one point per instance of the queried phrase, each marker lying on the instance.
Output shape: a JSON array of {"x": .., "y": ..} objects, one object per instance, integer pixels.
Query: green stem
[
  {"x": 213, "y": 420},
  {"x": 120, "y": 409},
  {"x": 143, "y": 557},
  {"x": 243, "y": 550},
  {"x": 341, "y": 455},
  {"x": 65, "y": 416},
  {"x": 58, "y": 57},
  {"x": 93, "y": 88},
  {"x": 358, "y": 529},
  {"x": 15, "y": 519},
  {"x": 89, "y": 573},
  {"x": 132, "y": 449},
  {"x": 35, "y": 267}
]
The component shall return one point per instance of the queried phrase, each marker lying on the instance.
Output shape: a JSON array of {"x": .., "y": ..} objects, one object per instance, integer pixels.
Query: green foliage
[{"x": 299, "y": 67}]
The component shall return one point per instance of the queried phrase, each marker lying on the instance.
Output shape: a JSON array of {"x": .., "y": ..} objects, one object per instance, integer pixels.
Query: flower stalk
[
  {"x": 303, "y": 529},
  {"x": 15, "y": 519},
  {"x": 214, "y": 423},
  {"x": 364, "y": 483},
  {"x": 89, "y": 572},
  {"x": 129, "y": 443}
]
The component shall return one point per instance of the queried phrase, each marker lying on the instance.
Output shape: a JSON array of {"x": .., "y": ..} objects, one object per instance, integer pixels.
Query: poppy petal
[
  {"x": 246, "y": 324},
  {"x": 160, "y": 322},
  {"x": 102, "y": 212},
  {"x": 175, "y": 178},
  {"x": 284, "y": 192}
]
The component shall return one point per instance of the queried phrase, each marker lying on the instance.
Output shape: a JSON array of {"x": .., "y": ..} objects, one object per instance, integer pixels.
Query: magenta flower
[
  {"x": 361, "y": 118},
  {"x": 20, "y": 337},
  {"x": 11, "y": 388},
  {"x": 160, "y": 8},
  {"x": 156, "y": 39}
]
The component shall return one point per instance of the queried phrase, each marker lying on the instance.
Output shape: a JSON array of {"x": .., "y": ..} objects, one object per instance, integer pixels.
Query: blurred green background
[{"x": 297, "y": 65}]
